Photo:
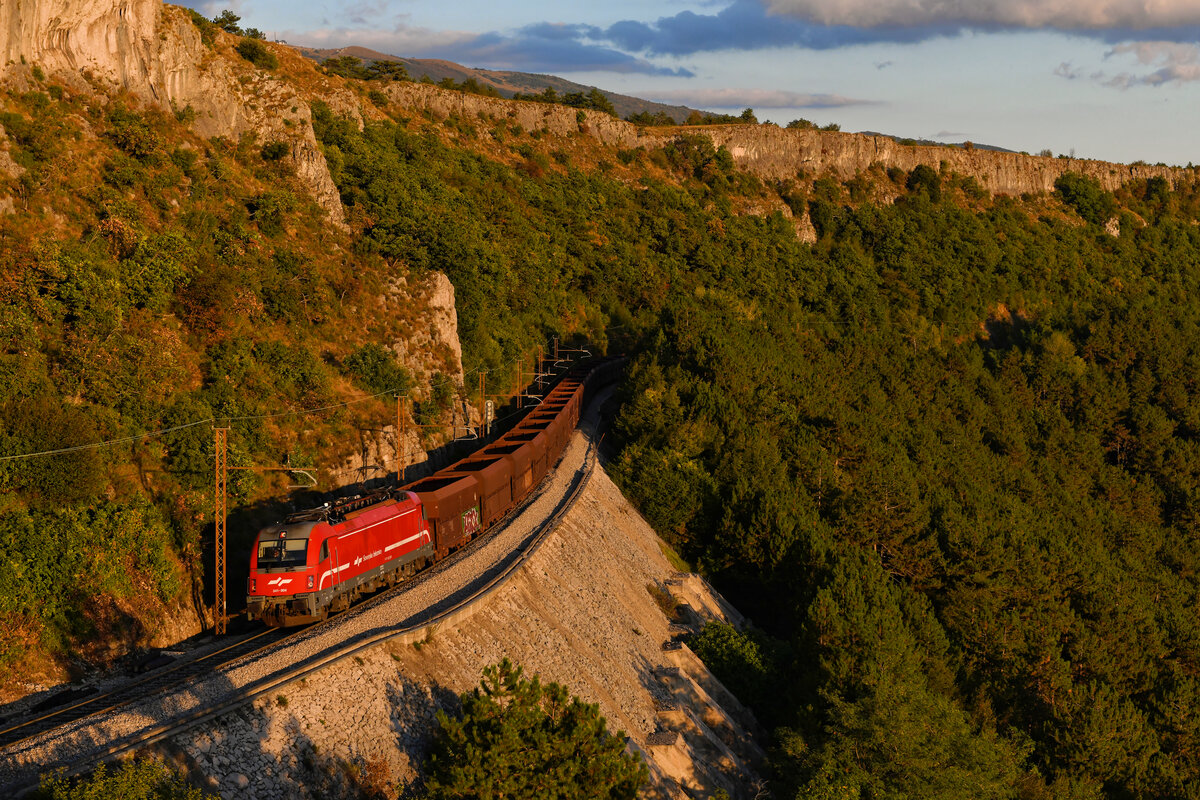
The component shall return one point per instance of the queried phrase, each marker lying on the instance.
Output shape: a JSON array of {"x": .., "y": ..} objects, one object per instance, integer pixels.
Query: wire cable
[{"x": 246, "y": 418}]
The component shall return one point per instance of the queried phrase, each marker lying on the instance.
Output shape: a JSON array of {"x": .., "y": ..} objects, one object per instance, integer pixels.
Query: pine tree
[{"x": 517, "y": 738}]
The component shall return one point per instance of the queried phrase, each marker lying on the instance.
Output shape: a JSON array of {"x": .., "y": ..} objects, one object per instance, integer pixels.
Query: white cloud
[
  {"x": 402, "y": 40},
  {"x": 211, "y": 8},
  {"x": 1059, "y": 14},
  {"x": 1171, "y": 62},
  {"x": 756, "y": 98}
]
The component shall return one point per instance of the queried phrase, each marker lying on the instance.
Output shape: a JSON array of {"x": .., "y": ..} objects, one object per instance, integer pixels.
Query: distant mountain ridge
[{"x": 507, "y": 83}]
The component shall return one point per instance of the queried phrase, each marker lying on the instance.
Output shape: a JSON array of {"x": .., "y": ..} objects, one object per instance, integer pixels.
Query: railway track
[
  {"x": 79, "y": 706},
  {"x": 29, "y": 746}
]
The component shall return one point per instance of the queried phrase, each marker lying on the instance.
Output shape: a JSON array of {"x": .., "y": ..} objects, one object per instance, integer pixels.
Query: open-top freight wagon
[{"x": 321, "y": 560}]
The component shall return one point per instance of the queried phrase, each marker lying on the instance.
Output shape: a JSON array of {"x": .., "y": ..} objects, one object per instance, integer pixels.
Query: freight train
[{"x": 319, "y": 561}]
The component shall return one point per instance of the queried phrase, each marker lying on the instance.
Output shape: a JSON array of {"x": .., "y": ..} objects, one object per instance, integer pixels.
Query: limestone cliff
[
  {"x": 775, "y": 153},
  {"x": 156, "y": 53}
]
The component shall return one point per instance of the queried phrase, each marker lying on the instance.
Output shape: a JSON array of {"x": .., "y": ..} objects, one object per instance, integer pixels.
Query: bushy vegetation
[
  {"x": 593, "y": 100},
  {"x": 946, "y": 457},
  {"x": 520, "y": 739},
  {"x": 256, "y": 53},
  {"x": 136, "y": 779},
  {"x": 351, "y": 67},
  {"x": 374, "y": 367},
  {"x": 948, "y": 460},
  {"x": 160, "y": 293},
  {"x": 803, "y": 124}
]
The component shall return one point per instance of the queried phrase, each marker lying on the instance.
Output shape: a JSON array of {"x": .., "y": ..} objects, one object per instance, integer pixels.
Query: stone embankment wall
[{"x": 579, "y": 612}]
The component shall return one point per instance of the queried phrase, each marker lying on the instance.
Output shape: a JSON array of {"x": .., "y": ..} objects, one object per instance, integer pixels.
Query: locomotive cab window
[
  {"x": 324, "y": 551},
  {"x": 274, "y": 553}
]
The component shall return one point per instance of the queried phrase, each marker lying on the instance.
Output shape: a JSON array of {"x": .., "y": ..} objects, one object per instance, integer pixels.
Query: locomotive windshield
[{"x": 276, "y": 553}]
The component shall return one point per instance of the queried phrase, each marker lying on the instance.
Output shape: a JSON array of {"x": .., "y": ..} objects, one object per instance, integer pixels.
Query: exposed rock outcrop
[
  {"x": 775, "y": 153},
  {"x": 155, "y": 52},
  {"x": 553, "y": 119}
]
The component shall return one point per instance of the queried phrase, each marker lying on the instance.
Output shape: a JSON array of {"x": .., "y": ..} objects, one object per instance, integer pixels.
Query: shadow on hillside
[{"x": 414, "y": 709}]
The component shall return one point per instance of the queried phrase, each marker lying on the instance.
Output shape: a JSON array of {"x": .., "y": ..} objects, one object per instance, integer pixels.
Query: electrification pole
[{"x": 221, "y": 444}]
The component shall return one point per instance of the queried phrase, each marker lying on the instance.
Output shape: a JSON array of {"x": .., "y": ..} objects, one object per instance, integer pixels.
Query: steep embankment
[{"x": 580, "y": 612}]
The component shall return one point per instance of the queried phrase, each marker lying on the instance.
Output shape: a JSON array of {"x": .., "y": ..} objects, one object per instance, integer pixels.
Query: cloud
[
  {"x": 755, "y": 98},
  {"x": 1066, "y": 70},
  {"x": 826, "y": 24},
  {"x": 401, "y": 40},
  {"x": 745, "y": 25},
  {"x": 1170, "y": 62},
  {"x": 366, "y": 12},
  {"x": 882, "y": 64},
  {"x": 1063, "y": 15},
  {"x": 538, "y": 48}
]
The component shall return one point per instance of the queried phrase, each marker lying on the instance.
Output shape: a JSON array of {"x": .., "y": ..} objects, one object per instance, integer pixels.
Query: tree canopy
[{"x": 517, "y": 738}]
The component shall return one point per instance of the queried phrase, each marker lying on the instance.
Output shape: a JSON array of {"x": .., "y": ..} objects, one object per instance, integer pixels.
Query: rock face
[
  {"x": 775, "y": 153},
  {"x": 111, "y": 37},
  {"x": 554, "y": 119},
  {"x": 156, "y": 53}
]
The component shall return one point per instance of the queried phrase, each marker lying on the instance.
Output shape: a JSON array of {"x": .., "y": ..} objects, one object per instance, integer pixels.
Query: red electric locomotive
[{"x": 319, "y": 561}]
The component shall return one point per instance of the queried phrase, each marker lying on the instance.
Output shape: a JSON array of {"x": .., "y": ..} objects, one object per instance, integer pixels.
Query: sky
[{"x": 1117, "y": 80}]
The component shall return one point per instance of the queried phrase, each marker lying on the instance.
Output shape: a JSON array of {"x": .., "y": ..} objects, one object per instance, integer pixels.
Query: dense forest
[{"x": 945, "y": 456}]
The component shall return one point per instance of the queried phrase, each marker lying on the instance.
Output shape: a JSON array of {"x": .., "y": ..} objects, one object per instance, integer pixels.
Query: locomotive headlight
[
  {"x": 253, "y": 585},
  {"x": 310, "y": 581}
]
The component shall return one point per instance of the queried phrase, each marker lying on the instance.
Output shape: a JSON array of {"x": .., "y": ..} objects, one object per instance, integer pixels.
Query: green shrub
[
  {"x": 374, "y": 367},
  {"x": 1086, "y": 196},
  {"x": 518, "y": 739},
  {"x": 743, "y": 661},
  {"x": 923, "y": 179},
  {"x": 269, "y": 210},
  {"x": 132, "y": 133},
  {"x": 43, "y": 423},
  {"x": 208, "y": 31},
  {"x": 257, "y": 54},
  {"x": 138, "y": 779},
  {"x": 273, "y": 151}
]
